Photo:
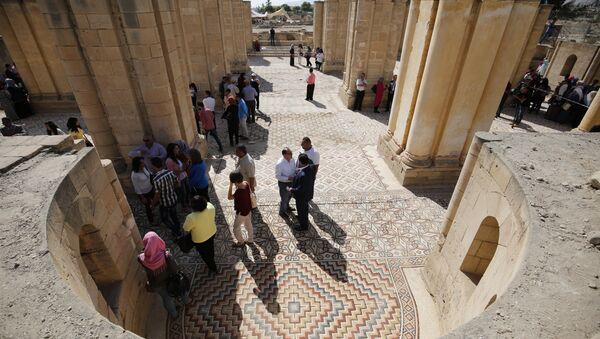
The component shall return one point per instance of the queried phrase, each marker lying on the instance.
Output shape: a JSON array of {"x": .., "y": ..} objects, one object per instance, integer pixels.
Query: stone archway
[{"x": 568, "y": 65}]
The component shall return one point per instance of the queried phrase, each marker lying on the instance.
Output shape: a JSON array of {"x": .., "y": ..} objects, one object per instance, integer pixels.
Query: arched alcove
[
  {"x": 482, "y": 250},
  {"x": 568, "y": 65}
]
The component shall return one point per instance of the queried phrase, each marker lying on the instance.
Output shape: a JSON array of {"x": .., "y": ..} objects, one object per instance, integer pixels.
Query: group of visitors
[
  {"x": 14, "y": 98},
  {"x": 568, "y": 102},
  {"x": 378, "y": 89},
  {"x": 307, "y": 53}
]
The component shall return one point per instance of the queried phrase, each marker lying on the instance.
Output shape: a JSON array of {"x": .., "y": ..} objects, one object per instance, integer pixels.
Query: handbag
[
  {"x": 253, "y": 200},
  {"x": 185, "y": 243},
  {"x": 178, "y": 284}
]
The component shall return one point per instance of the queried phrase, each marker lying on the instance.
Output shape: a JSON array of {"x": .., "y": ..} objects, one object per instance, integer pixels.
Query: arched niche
[
  {"x": 482, "y": 250},
  {"x": 568, "y": 65}
]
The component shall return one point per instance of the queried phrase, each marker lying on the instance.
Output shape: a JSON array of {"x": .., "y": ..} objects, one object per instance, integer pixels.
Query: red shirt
[
  {"x": 241, "y": 201},
  {"x": 311, "y": 79},
  {"x": 207, "y": 118}
]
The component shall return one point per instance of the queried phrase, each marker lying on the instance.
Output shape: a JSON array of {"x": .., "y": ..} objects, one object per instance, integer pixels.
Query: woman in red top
[
  {"x": 379, "y": 89},
  {"x": 243, "y": 207}
]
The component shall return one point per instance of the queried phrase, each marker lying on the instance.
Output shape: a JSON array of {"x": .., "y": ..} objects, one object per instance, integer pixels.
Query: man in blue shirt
[{"x": 243, "y": 114}]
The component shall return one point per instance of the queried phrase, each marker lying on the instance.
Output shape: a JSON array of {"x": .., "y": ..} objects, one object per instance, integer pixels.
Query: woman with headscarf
[
  {"x": 379, "y": 90},
  {"x": 292, "y": 55},
  {"x": 159, "y": 265}
]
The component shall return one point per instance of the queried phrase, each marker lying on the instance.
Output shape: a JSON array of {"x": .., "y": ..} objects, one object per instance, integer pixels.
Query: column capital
[{"x": 415, "y": 161}]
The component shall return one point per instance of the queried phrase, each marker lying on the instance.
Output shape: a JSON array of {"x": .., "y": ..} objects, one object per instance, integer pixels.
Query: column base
[
  {"x": 434, "y": 175},
  {"x": 333, "y": 66}
]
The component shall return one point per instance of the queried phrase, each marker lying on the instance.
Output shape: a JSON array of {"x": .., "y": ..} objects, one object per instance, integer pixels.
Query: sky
[{"x": 279, "y": 2}]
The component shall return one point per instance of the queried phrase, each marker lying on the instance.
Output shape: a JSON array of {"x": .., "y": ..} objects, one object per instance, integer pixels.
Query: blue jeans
[
  {"x": 168, "y": 215},
  {"x": 167, "y": 300},
  {"x": 285, "y": 196}
]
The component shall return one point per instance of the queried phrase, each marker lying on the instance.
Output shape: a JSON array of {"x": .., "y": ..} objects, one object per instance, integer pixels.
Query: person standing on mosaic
[
  {"x": 159, "y": 265},
  {"x": 242, "y": 205},
  {"x": 390, "y": 93},
  {"x": 245, "y": 166},
  {"x": 303, "y": 189},
  {"x": 201, "y": 224},
  {"x": 256, "y": 85},
  {"x": 142, "y": 184},
  {"x": 300, "y": 54},
  {"x": 292, "y": 55},
  {"x": 319, "y": 58},
  {"x": 285, "y": 170},
  {"x": 379, "y": 90},
  {"x": 231, "y": 114},
  {"x": 306, "y": 147},
  {"x": 177, "y": 162},
  {"x": 308, "y": 55},
  {"x": 148, "y": 150},
  {"x": 361, "y": 84},
  {"x": 207, "y": 119},
  {"x": 249, "y": 95},
  {"x": 165, "y": 183},
  {"x": 198, "y": 177},
  {"x": 310, "y": 84}
]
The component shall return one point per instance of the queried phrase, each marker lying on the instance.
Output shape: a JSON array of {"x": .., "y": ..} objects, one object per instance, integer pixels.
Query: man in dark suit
[{"x": 302, "y": 189}]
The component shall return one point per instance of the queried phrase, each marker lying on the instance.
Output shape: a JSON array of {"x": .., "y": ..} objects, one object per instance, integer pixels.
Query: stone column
[
  {"x": 248, "y": 24},
  {"x": 532, "y": 42},
  {"x": 192, "y": 19},
  {"x": 335, "y": 33},
  {"x": 592, "y": 116},
  {"x": 442, "y": 100},
  {"x": 375, "y": 28},
  {"x": 33, "y": 49},
  {"x": 218, "y": 63},
  {"x": 318, "y": 23},
  {"x": 239, "y": 43}
]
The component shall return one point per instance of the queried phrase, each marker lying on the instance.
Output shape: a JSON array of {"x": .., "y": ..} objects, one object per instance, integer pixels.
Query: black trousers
[
  {"x": 258, "y": 101},
  {"x": 310, "y": 90},
  {"x": 302, "y": 210},
  {"x": 234, "y": 132},
  {"x": 390, "y": 98},
  {"x": 291, "y": 60},
  {"x": 360, "y": 95},
  {"x": 251, "y": 110},
  {"x": 207, "y": 252}
]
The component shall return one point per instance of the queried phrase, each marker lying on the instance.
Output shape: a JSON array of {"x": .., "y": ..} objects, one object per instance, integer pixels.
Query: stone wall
[
  {"x": 33, "y": 49},
  {"x": 583, "y": 58},
  {"x": 451, "y": 78},
  {"x": 375, "y": 32},
  {"x": 335, "y": 33},
  {"x": 510, "y": 242},
  {"x": 71, "y": 241},
  {"x": 318, "y": 23}
]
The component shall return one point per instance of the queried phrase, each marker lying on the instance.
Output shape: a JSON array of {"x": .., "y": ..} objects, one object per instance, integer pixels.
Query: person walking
[
  {"x": 231, "y": 114},
  {"x": 245, "y": 166},
  {"x": 256, "y": 85},
  {"x": 308, "y": 55},
  {"x": 379, "y": 90},
  {"x": 285, "y": 170},
  {"x": 249, "y": 94},
  {"x": 178, "y": 163},
  {"x": 207, "y": 119},
  {"x": 159, "y": 265},
  {"x": 292, "y": 55},
  {"x": 361, "y": 84},
  {"x": 201, "y": 224},
  {"x": 272, "y": 36},
  {"x": 302, "y": 189},
  {"x": 198, "y": 177},
  {"x": 148, "y": 150},
  {"x": 390, "y": 93},
  {"x": 310, "y": 84},
  {"x": 243, "y": 205},
  {"x": 319, "y": 58},
  {"x": 142, "y": 184},
  {"x": 243, "y": 117},
  {"x": 165, "y": 183}
]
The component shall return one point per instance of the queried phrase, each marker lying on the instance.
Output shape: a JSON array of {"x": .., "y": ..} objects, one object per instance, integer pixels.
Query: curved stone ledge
[{"x": 533, "y": 189}]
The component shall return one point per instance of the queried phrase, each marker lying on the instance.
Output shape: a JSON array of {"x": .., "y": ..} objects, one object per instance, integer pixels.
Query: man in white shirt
[
  {"x": 285, "y": 170},
  {"x": 311, "y": 152},
  {"x": 361, "y": 84},
  {"x": 209, "y": 102}
]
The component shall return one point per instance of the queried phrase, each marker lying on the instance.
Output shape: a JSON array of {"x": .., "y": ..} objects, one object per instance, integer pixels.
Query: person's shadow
[
  {"x": 327, "y": 224},
  {"x": 318, "y": 104},
  {"x": 320, "y": 251}
]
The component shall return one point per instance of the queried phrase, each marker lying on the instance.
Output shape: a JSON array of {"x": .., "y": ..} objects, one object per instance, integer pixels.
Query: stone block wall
[
  {"x": 32, "y": 47},
  {"x": 318, "y": 23},
  {"x": 585, "y": 63},
  {"x": 335, "y": 33}
]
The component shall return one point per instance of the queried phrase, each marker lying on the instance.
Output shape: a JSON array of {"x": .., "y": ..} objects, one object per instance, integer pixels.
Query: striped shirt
[{"x": 165, "y": 182}]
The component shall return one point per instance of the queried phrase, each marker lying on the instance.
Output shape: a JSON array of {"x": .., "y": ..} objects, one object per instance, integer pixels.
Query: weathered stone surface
[{"x": 595, "y": 180}]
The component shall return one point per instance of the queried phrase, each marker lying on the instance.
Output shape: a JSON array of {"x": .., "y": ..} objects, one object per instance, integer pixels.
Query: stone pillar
[
  {"x": 335, "y": 33},
  {"x": 232, "y": 34},
  {"x": 248, "y": 24},
  {"x": 318, "y": 23},
  {"x": 240, "y": 35},
  {"x": 450, "y": 83},
  {"x": 375, "y": 28},
  {"x": 218, "y": 63},
  {"x": 532, "y": 42},
  {"x": 33, "y": 49},
  {"x": 134, "y": 52},
  {"x": 592, "y": 116}
]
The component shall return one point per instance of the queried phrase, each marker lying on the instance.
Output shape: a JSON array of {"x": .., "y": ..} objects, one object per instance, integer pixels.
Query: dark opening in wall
[{"x": 482, "y": 250}]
